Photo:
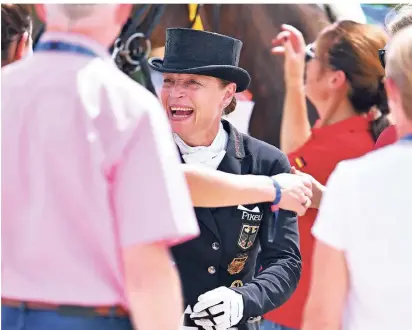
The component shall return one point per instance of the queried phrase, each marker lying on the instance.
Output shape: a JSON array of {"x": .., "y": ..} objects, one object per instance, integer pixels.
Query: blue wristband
[
  {"x": 278, "y": 192},
  {"x": 275, "y": 210}
]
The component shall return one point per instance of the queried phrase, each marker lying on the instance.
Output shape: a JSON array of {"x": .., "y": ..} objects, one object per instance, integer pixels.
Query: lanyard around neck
[
  {"x": 407, "y": 137},
  {"x": 66, "y": 47}
]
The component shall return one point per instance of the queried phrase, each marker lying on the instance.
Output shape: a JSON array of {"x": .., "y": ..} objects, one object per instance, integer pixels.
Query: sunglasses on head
[
  {"x": 309, "y": 52},
  {"x": 381, "y": 53}
]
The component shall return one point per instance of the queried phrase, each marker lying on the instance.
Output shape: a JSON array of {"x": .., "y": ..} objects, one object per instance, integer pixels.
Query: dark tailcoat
[{"x": 225, "y": 252}]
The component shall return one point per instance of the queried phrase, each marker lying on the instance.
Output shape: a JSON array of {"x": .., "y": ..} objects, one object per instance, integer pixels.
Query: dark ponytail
[
  {"x": 377, "y": 125},
  {"x": 15, "y": 21}
]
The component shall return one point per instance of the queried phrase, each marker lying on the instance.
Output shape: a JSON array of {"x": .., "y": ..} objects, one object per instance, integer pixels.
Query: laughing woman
[{"x": 201, "y": 76}]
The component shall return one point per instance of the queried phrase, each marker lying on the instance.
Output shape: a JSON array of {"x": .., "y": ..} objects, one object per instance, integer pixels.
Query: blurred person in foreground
[
  {"x": 399, "y": 18},
  {"x": 16, "y": 33},
  {"x": 361, "y": 269},
  {"x": 341, "y": 75},
  {"x": 90, "y": 177}
]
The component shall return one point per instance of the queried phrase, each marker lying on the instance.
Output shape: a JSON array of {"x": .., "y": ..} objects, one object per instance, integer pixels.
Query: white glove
[
  {"x": 186, "y": 324},
  {"x": 218, "y": 309}
]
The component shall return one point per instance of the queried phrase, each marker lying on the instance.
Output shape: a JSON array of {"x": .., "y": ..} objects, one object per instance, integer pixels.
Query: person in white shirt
[{"x": 361, "y": 268}]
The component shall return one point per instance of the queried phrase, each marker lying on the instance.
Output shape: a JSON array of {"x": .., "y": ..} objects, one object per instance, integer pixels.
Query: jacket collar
[{"x": 235, "y": 146}]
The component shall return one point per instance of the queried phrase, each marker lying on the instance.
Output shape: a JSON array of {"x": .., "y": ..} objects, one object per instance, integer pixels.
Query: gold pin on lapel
[{"x": 236, "y": 284}]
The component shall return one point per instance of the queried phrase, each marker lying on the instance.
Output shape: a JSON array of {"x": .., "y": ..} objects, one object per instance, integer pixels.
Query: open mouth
[{"x": 181, "y": 113}]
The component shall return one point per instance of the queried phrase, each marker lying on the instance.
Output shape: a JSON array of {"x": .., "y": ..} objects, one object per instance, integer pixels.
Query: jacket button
[
  {"x": 215, "y": 246},
  {"x": 211, "y": 270}
]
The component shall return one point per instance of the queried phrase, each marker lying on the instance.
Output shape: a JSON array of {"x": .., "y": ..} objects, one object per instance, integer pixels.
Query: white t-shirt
[{"x": 367, "y": 213}]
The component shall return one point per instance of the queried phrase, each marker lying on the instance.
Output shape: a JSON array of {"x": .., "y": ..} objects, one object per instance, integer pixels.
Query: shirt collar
[
  {"x": 79, "y": 39},
  {"x": 350, "y": 125}
]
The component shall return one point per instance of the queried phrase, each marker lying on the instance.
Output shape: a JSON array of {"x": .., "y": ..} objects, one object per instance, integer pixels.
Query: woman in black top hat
[{"x": 201, "y": 76}]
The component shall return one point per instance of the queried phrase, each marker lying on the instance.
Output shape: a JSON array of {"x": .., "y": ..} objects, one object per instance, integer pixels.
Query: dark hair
[
  {"x": 232, "y": 105},
  {"x": 15, "y": 21},
  {"x": 353, "y": 48}
]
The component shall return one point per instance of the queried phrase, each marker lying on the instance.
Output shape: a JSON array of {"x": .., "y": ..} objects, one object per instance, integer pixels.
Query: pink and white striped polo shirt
[{"x": 88, "y": 166}]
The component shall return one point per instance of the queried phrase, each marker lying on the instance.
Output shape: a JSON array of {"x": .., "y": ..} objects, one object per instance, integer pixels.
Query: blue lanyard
[
  {"x": 61, "y": 46},
  {"x": 407, "y": 137}
]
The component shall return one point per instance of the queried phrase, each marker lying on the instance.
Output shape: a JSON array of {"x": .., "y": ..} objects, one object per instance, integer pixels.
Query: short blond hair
[
  {"x": 399, "y": 64},
  {"x": 399, "y": 18}
]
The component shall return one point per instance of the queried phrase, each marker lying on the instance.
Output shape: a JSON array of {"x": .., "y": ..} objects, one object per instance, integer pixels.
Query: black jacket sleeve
[{"x": 281, "y": 261}]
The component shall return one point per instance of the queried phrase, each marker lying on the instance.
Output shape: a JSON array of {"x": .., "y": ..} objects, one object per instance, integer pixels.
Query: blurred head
[
  {"x": 346, "y": 70},
  {"x": 399, "y": 18},
  {"x": 398, "y": 82},
  {"x": 102, "y": 21},
  {"x": 16, "y": 32},
  {"x": 195, "y": 104}
]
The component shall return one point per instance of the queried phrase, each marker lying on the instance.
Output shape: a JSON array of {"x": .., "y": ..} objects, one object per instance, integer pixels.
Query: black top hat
[{"x": 204, "y": 53}]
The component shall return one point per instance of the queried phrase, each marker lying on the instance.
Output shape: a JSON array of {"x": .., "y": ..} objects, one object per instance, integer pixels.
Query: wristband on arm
[{"x": 275, "y": 209}]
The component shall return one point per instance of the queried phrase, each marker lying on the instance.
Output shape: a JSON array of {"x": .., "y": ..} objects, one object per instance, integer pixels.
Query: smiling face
[{"x": 194, "y": 105}]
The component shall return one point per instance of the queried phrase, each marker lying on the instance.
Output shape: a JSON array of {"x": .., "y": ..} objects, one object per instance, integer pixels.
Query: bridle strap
[
  {"x": 133, "y": 23},
  {"x": 216, "y": 17},
  {"x": 128, "y": 52}
]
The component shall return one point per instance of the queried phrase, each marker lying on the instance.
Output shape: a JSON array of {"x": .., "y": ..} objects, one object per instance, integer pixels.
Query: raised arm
[
  {"x": 295, "y": 128},
  {"x": 210, "y": 188}
]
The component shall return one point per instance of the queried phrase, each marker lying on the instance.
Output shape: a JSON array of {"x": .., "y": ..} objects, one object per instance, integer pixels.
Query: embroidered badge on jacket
[
  {"x": 237, "y": 264},
  {"x": 247, "y": 236}
]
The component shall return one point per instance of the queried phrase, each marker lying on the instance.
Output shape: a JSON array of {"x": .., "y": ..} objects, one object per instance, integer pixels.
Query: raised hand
[{"x": 291, "y": 44}]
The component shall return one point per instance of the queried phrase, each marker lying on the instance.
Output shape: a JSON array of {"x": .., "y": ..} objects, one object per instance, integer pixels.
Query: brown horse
[{"x": 255, "y": 25}]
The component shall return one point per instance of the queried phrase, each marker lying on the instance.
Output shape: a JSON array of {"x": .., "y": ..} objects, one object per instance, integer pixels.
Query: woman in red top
[{"x": 344, "y": 82}]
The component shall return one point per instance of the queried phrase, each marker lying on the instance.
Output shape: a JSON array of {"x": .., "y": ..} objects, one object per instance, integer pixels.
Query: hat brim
[{"x": 227, "y": 72}]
